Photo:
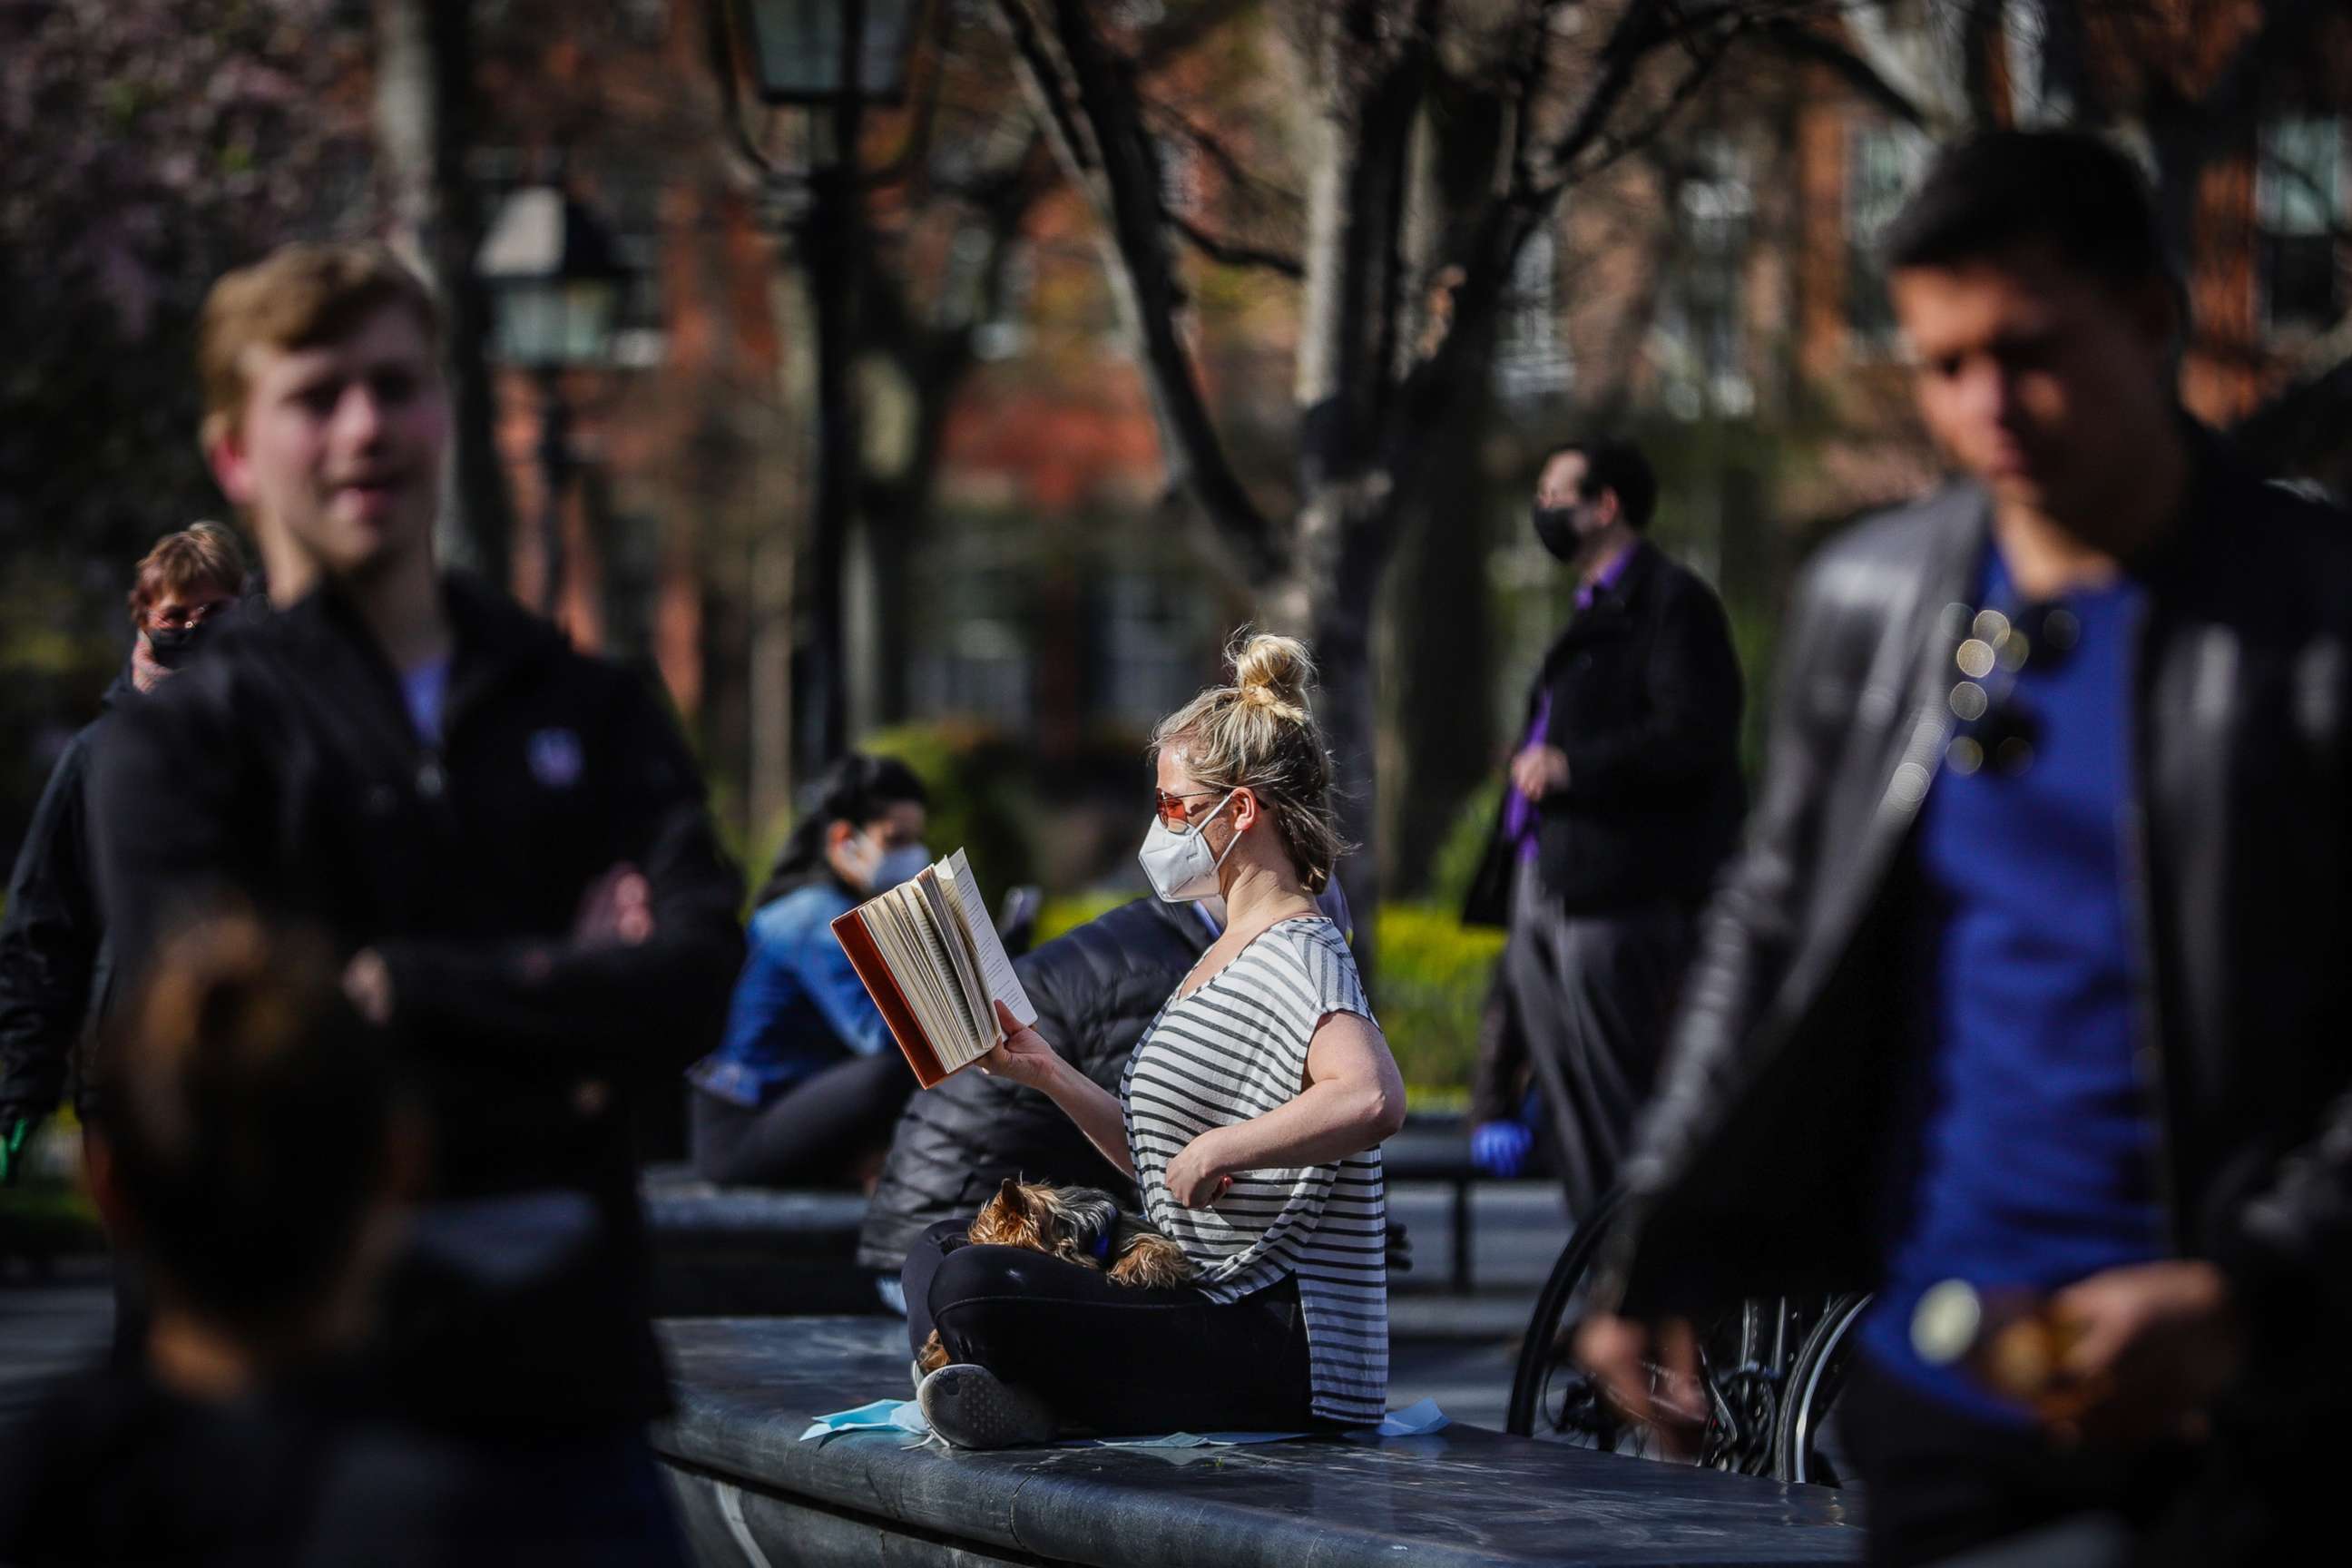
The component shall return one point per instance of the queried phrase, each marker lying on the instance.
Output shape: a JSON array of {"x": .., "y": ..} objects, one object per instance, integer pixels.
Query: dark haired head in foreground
[
  {"x": 255, "y": 1159},
  {"x": 251, "y": 1152},
  {"x": 2073, "y": 193},
  {"x": 251, "y": 1160},
  {"x": 2045, "y": 323}
]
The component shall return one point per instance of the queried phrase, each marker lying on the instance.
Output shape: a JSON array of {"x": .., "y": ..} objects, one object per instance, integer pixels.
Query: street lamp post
[
  {"x": 555, "y": 280},
  {"x": 832, "y": 56}
]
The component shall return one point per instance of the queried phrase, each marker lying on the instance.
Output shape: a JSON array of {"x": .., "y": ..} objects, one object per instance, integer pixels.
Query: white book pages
[
  {"x": 892, "y": 921},
  {"x": 959, "y": 967},
  {"x": 996, "y": 972}
]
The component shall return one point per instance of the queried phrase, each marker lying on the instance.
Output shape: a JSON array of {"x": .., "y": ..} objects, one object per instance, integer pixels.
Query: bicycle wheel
[
  {"x": 1551, "y": 1396},
  {"x": 1806, "y": 1447}
]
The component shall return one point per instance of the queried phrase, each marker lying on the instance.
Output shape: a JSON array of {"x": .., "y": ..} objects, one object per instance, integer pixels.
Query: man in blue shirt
[{"x": 2030, "y": 978}]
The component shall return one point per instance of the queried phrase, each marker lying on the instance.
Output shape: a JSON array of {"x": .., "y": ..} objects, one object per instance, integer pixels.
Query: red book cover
[{"x": 849, "y": 930}]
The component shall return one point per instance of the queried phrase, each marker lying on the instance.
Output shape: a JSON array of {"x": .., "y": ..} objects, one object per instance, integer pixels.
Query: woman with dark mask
[{"x": 806, "y": 1085}]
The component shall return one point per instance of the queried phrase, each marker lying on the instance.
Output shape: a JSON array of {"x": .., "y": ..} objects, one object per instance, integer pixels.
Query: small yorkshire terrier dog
[{"x": 1078, "y": 1225}]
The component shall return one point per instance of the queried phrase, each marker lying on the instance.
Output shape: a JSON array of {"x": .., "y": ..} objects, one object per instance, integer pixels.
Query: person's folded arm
[
  {"x": 600, "y": 1003},
  {"x": 1353, "y": 1100},
  {"x": 1691, "y": 726}
]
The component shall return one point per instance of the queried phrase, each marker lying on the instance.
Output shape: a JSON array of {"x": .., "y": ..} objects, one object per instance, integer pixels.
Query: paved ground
[
  {"x": 1457, "y": 1350},
  {"x": 49, "y": 1326}
]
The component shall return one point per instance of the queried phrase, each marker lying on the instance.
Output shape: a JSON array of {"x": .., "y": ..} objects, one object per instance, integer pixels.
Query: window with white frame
[
  {"x": 1700, "y": 345},
  {"x": 2300, "y": 207},
  {"x": 1531, "y": 357},
  {"x": 1884, "y": 161}
]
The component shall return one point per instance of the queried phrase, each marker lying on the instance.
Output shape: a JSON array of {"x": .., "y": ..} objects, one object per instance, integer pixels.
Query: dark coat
[
  {"x": 53, "y": 952},
  {"x": 1646, "y": 701},
  {"x": 1760, "y": 1164},
  {"x": 285, "y": 770},
  {"x": 1096, "y": 989}
]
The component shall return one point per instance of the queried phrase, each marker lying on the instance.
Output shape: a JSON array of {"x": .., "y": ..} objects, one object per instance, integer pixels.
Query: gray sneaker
[{"x": 972, "y": 1408}]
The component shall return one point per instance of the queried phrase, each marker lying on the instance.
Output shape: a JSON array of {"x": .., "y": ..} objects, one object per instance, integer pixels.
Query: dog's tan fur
[{"x": 1064, "y": 1223}]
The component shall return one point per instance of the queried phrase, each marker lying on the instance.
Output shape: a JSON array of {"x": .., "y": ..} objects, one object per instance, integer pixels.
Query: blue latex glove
[{"x": 1500, "y": 1148}]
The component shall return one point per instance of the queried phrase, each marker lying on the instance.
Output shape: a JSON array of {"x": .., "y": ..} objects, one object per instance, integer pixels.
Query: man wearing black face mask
[
  {"x": 52, "y": 965},
  {"x": 1623, "y": 798}
]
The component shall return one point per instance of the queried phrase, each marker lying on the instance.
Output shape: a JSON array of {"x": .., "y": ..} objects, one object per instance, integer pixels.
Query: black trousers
[
  {"x": 810, "y": 1135},
  {"x": 1112, "y": 1361},
  {"x": 1940, "y": 1482},
  {"x": 1591, "y": 995}
]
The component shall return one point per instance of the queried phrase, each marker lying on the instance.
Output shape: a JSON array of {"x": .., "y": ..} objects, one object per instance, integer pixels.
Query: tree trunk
[
  {"x": 424, "y": 123},
  {"x": 1338, "y": 605}
]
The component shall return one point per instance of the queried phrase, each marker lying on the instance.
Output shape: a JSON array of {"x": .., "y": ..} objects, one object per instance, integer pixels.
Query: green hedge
[{"x": 1428, "y": 989}]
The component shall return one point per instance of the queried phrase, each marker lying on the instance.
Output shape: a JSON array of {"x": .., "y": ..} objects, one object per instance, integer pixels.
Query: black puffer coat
[{"x": 1096, "y": 989}]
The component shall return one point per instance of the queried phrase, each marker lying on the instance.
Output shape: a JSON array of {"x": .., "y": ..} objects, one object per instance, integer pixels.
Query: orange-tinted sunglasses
[{"x": 1175, "y": 814}]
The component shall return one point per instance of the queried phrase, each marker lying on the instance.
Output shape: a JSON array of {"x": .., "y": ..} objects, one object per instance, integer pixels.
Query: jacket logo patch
[{"x": 555, "y": 760}]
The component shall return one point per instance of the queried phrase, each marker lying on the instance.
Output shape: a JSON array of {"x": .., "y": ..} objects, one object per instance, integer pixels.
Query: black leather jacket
[
  {"x": 1096, "y": 989},
  {"x": 1757, "y": 1166}
]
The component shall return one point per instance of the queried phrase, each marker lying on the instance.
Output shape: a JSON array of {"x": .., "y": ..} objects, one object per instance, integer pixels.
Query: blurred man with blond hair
[{"x": 506, "y": 839}]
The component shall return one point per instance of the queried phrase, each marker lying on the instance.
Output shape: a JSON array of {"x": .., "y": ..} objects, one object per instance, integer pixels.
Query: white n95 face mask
[{"x": 1181, "y": 865}]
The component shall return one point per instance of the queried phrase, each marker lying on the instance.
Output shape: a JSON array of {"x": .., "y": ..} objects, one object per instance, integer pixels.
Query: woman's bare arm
[{"x": 1354, "y": 1099}]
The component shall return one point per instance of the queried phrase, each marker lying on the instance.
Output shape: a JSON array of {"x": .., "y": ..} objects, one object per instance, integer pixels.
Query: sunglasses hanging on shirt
[{"x": 1997, "y": 729}]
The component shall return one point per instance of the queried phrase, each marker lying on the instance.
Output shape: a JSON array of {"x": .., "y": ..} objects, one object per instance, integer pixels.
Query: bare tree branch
[
  {"x": 1792, "y": 38},
  {"x": 1084, "y": 96},
  {"x": 1228, "y": 252},
  {"x": 1171, "y": 121},
  {"x": 1641, "y": 27},
  {"x": 1704, "y": 56}
]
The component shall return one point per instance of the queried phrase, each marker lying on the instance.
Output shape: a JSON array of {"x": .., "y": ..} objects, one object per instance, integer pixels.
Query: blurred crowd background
[{"x": 917, "y": 419}]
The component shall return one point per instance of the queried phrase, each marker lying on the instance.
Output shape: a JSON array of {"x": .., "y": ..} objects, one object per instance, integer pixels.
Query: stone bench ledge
[{"x": 748, "y": 1387}]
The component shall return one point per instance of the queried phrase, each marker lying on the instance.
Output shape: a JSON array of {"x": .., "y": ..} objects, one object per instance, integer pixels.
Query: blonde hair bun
[
  {"x": 1258, "y": 733},
  {"x": 1273, "y": 671}
]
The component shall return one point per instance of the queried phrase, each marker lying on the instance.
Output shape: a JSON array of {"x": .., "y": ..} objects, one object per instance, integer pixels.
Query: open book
[{"x": 933, "y": 964}]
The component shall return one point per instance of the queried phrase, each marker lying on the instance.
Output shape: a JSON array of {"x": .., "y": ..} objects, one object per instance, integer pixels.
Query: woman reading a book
[
  {"x": 1251, "y": 1117},
  {"x": 806, "y": 1085}
]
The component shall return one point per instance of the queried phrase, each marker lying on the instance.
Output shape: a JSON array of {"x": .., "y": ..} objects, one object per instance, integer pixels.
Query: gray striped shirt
[{"x": 1236, "y": 1049}]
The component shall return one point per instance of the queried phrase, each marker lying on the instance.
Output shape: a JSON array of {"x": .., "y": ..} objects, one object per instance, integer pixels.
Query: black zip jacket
[
  {"x": 285, "y": 769},
  {"x": 1645, "y": 702},
  {"x": 1758, "y": 1164},
  {"x": 53, "y": 952},
  {"x": 1096, "y": 989}
]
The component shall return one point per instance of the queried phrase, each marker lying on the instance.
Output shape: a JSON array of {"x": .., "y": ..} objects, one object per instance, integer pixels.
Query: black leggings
[
  {"x": 810, "y": 1136},
  {"x": 1111, "y": 1360}
]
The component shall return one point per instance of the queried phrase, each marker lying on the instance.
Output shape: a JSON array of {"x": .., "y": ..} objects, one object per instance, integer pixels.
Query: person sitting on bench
[
  {"x": 806, "y": 1084},
  {"x": 1249, "y": 1117}
]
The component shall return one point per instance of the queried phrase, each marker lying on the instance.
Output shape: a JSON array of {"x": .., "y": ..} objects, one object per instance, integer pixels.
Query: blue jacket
[{"x": 799, "y": 1007}]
